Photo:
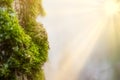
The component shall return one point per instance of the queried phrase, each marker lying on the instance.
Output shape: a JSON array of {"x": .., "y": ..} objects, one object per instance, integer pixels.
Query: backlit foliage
[{"x": 23, "y": 50}]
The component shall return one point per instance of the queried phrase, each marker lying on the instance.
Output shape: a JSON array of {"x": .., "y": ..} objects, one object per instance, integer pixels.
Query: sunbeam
[
  {"x": 112, "y": 7},
  {"x": 81, "y": 53},
  {"x": 75, "y": 29}
]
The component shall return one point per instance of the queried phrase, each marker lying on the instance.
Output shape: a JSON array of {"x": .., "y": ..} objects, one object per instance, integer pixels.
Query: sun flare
[{"x": 111, "y": 7}]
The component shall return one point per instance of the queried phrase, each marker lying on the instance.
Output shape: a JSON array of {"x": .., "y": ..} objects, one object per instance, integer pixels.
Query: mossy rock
[{"x": 20, "y": 57}]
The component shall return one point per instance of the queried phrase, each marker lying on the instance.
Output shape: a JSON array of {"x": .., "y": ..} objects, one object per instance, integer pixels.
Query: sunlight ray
[{"x": 82, "y": 52}]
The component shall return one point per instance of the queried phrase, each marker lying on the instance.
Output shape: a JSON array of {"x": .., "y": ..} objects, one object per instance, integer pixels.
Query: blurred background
[{"x": 82, "y": 38}]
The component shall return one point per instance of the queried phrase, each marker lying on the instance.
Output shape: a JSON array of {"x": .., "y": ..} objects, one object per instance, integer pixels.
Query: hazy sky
[{"x": 72, "y": 25}]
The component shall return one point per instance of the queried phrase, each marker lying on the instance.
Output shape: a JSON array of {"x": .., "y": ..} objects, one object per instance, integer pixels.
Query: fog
[{"x": 82, "y": 39}]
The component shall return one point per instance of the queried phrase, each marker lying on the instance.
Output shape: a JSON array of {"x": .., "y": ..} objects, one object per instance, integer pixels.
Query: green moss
[
  {"x": 22, "y": 52},
  {"x": 27, "y": 13},
  {"x": 6, "y": 3}
]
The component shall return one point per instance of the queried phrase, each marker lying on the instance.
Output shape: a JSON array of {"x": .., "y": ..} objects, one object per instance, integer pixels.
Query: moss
[
  {"x": 6, "y": 3},
  {"x": 27, "y": 13},
  {"x": 22, "y": 51}
]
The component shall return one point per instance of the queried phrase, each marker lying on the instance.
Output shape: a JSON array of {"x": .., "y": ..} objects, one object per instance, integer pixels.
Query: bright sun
[{"x": 111, "y": 7}]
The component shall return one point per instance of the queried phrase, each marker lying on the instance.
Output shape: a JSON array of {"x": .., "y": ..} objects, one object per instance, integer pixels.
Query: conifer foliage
[{"x": 23, "y": 47}]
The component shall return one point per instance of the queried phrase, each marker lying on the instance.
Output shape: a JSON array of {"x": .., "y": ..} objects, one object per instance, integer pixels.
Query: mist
[{"x": 82, "y": 40}]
